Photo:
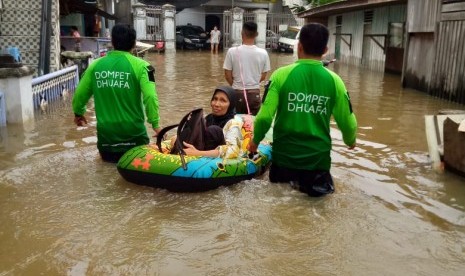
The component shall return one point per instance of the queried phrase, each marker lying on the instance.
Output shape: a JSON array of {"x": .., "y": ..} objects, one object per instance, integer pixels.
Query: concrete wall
[
  {"x": 194, "y": 16},
  {"x": 123, "y": 10}
]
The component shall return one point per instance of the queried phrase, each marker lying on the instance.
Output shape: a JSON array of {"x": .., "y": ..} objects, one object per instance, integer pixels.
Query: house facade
[
  {"x": 364, "y": 33},
  {"x": 24, "y": 25},
  {"x": 435, "y": 61},
  {"x": 423, "y": 40},
  {"x": 36, "y": 27}
]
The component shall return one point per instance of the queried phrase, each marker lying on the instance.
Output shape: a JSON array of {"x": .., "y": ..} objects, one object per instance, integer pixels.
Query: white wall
[
  {"x": 194, "y": 16},
  {"x": 291, "y": 3}
]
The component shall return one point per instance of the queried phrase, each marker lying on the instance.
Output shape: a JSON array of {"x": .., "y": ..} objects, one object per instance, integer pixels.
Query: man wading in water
[{"x": 302, "y": 97}]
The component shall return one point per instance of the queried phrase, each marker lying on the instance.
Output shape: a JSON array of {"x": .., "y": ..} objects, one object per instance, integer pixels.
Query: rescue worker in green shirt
[
  {"x": 122, "y": 85},
  {"x": 301, "y": 99}
]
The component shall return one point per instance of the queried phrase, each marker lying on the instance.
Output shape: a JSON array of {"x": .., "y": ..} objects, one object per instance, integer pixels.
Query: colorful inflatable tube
[{"x": 146, "y": 165}]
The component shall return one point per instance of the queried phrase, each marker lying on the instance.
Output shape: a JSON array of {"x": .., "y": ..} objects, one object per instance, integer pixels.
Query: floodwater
[{"x": 65, "y": 212}]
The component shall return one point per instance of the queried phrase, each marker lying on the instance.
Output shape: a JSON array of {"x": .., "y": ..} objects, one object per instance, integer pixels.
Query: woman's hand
[
  {"x": 193, "y": 151},
  {"x": 190, "y": 149}
]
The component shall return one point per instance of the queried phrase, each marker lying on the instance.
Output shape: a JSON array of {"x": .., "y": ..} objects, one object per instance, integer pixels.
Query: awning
[
  {"x": 340, "y": 7},
  {"x": 80, "y": 6}
]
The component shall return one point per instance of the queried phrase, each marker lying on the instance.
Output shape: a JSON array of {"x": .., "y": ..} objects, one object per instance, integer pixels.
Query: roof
[
  {"x": 80, "y": 6},
  {"x": 179, "y": 4},
  {"x": 347, "y": 6}
]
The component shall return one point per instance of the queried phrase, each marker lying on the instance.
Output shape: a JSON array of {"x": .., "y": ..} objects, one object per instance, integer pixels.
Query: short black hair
[
  {"x": 314, "y": 38},
  {"x": 123, "y": 37},
  {"x": 250, "y": 29}
]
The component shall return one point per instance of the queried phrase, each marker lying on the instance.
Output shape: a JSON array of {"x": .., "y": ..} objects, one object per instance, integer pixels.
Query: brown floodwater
[{"x": 65, "y": 212}]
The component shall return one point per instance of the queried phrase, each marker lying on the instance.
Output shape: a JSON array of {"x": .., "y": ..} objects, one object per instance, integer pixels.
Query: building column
[
  {"x": 16, "y": 85},
  {"x": 140, "y": 20},
  {"x": 236, "y": 28},
  {"x": 169, "y": 27},
  {"x": 260, "y": 19}
]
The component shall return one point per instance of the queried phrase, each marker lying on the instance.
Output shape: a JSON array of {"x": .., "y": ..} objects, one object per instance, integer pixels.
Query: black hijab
[{"x": 222, "y": 120}]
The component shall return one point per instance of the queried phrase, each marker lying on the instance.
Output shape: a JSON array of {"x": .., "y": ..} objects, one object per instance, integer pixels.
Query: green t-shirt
[
  {"x": 122, "y": 85},
  {"x": 301, "y": 99}
]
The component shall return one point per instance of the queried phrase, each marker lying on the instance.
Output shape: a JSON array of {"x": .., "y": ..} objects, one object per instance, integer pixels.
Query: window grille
[{"x": 368, "y": 17}]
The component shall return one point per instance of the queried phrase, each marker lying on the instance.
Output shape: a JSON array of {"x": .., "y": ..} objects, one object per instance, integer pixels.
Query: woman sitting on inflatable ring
[{"x": 225, "y": 131}]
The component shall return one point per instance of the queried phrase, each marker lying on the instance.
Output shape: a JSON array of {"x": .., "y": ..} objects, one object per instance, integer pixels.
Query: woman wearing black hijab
[
  {"x": 224, "y": 135},
  {"x": 222, "y": 112}
]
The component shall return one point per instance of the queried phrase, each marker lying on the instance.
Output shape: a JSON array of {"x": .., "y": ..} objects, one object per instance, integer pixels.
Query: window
[
  {"x": 396, "y": 35},
  {"x": 368, "y": 17},
  {"x": 339, "y": 20}
]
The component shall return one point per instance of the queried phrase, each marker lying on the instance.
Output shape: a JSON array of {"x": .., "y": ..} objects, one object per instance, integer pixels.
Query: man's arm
[
  {"x": 343, "y": 114},
  {"x": 267, "y": 111},
  {"x": 266, "y": 68},
  {"x": 228, "y": 67},
  {"x": 82, "y": 94},
  {"x": 228, "y": 76},
  {"x": 150, "y": 97},
  {"x": 263, "y": 76}
]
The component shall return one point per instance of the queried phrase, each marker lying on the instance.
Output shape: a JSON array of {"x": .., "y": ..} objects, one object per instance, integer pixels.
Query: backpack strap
[
  {"x": 242, "y": 78},
  {"x": 190, "y": 130},
  {"x": 177, "y": 144},
  {"x": 162, "y": 133}
]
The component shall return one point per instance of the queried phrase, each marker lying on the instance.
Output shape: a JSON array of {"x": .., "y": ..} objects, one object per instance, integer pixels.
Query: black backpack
[{"x": 192, "y": 129}]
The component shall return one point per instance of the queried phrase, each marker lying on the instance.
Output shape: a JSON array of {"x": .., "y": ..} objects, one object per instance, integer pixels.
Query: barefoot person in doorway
[{"x": 215, "y": 39}]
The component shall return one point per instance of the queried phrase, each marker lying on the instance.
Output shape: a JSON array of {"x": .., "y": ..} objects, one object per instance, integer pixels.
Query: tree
[
  {"x": 316, "y": 3},
  {"x": 297, "y": 8},
  {"x": 312, "y": 4}
]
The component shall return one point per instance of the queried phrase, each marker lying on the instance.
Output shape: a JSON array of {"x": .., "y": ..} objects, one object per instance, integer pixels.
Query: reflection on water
[{"x": 64, "y": 211}]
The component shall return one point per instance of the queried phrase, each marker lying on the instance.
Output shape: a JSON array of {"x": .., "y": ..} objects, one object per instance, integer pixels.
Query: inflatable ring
[{"x": 146, "y": 165}]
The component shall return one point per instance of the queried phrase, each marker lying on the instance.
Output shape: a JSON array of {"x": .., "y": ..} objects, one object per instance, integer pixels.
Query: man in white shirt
[{"x": 245, "y": 67}]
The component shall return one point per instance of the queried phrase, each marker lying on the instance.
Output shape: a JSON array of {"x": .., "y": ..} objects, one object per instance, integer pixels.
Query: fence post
[
  {"x": 237, "y": 15},
  {"x": 260, "y": 17},
  {"x": 2, "y": 110},
  {"x": 16, "y": 84},
  {"x": 140, "y": 21},
  {"x": 169, "y": 27}
]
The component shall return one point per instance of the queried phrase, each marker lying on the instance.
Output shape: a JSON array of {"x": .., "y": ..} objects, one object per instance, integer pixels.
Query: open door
[{"x": 395, "y": 48}]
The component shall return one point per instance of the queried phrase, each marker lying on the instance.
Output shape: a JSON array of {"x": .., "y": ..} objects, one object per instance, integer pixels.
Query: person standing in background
[
  {"x": 215, "y": 39},
  {"x": 97, "y": 26},
  {"x": 122, "y": 85},
  {"x": 302, "y": 97},
  {"x": 77, "y": 38},
  {"x": 245, "y": 67}
]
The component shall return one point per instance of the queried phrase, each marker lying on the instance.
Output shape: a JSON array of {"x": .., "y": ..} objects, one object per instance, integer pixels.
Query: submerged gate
[
  {"x": 275, "y": 22},
  {"x": 227, "y": 28},
  {"x": 154, "y": 23}
]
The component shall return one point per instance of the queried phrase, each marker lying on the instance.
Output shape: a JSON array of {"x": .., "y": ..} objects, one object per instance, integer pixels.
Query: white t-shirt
[
  {"x": 248, "y": 61},
  {"x": 215, "y": 36}
]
